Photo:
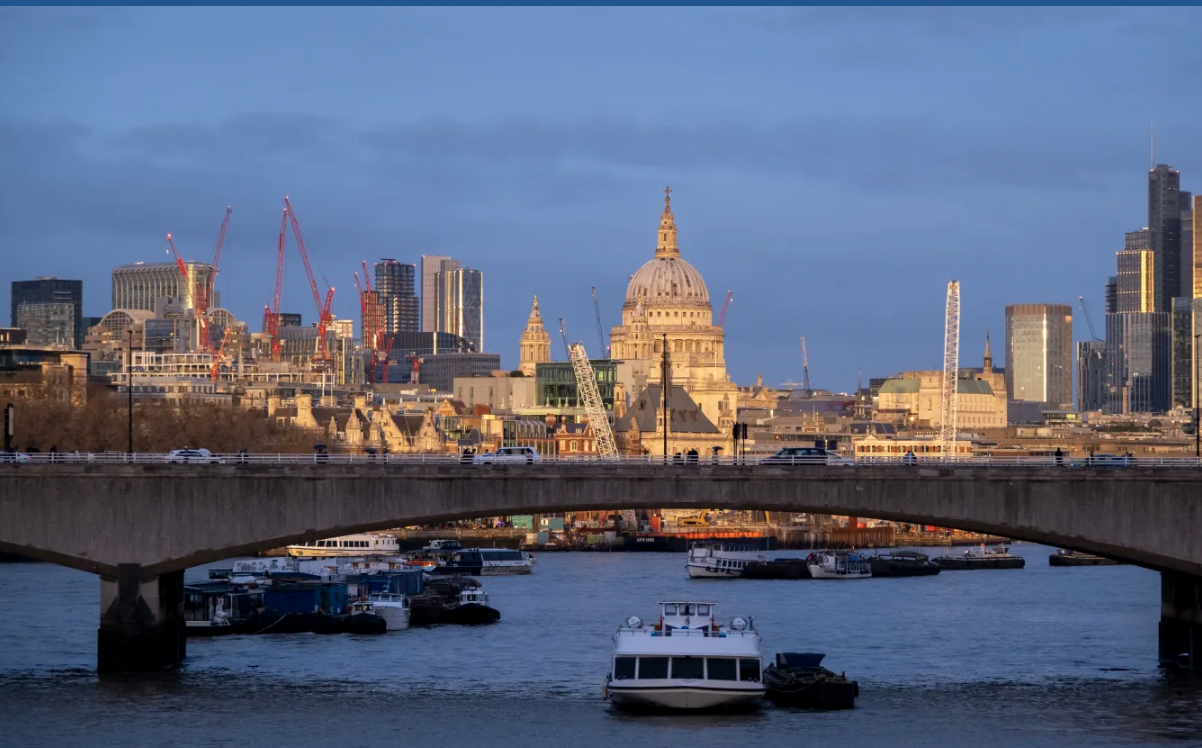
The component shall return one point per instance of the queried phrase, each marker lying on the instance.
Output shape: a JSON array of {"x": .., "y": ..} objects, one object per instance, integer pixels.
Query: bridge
[{"x": 139, "y": 526}]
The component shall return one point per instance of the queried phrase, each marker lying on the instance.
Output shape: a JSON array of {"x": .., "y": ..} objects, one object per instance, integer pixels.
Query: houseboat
[
  {"x": 719, "y": 560},
  {"x": 474, "y": 562},
  {"x": 838, "y": 565},
  {"x": 685, "y": 661},
  {"x": 219, "y": 608},
  {"x": 362, "y": 544}
]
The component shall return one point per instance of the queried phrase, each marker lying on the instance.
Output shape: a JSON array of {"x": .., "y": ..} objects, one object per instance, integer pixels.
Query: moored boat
[
  {"x": 798, "y": 679},
  {"x": 393, "y": 608},
  {"x": 1064, "y": 557},
  {"x": 901, "y": 563},
  {"x": 471, "y": 609},
  {"x": 838, "y": 565},
  {"x": 710, "y": 560},
  {"x": 985, "y": 558},
  {"x": 686, "y": 661},
  {"x": 777, "y": 568},
  {"x": 361, "y": 544}
]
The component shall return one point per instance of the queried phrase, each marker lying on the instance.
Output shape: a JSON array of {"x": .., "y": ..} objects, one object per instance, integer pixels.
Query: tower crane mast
[
  {"x": 1088, "y": 319},
  {"x": 725, "y": 306},
  {"x": 323, "y": 310},
  {"x": 272, "y": 313},
  {"x": 805, "y": 367},
  {"x": 600, "y": 329}
]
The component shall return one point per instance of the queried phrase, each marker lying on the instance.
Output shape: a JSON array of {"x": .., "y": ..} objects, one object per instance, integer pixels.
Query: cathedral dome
[{"x": 667, "y": 279}]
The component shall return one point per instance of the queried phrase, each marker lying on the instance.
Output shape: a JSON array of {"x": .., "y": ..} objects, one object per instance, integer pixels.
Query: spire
[
  {"x": 667, "y": 230},
  {"x": 535, "y": 320},
  {"x": 988, "y": 364}
]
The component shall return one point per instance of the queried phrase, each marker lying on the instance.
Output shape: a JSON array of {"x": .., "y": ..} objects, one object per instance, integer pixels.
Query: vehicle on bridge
[
  {"x": 806, "y": 456},
  {"x": 524, "y": 455},
  {"x": 14, "y": 457},
  {"x": 192, "y": 457},
  {"x": 1108, "y": 461}
]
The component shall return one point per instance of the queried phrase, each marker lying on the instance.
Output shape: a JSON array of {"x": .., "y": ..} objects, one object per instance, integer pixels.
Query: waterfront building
[
  {"x": 396, "y": 290},
  {"x": 575, "y": 440},
  {"x": 432, "y": 265},
  {"x": 914, "y": 399},
  {"x": 140, "y": 285},
  {"x": 461, "y": 303},
  {"x": 1039, "y": 353},
  {"x": 27, "y": 372},
  {"x": 55, "y": 313},
  {"x": 12, "y": 336},
  {"x": 1092, "y": 385},
  {"x": 1139, "y": 362},
  {"x": 535, "y": 345},
  {"x": 667, "y": 299}
]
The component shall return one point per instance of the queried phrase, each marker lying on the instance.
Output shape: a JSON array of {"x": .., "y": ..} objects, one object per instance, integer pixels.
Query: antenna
[{"x": 1151, "y": 145}]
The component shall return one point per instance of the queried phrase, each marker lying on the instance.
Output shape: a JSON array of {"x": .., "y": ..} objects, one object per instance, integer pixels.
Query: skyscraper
[
  {"x": 1164, "y": 232},
  {"x": 1136, "y": 280},
  {"x": 460, "y": 305},
  {"x": 1039, "y": 353},
  {"x": 1139, "y": 362},
  {"x": 1191, "y": 250},
  {"x": 1112, "y": 294},
  {"x": 1186, "y": 321},
  {"x": 1091, "y": 375},
  {"x": 432, "y": 265},
  {"x": 395, "y": 286},
  {"x": 53, "y": 311}
]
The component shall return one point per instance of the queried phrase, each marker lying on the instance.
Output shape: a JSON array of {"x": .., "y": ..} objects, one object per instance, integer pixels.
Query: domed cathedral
[
  {"x": 535, "y": 344},
  {"x": 668, "y": 297}
]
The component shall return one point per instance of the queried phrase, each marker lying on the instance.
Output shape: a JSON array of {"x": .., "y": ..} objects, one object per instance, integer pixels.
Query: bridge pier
[
  {"x": 141, "y": 622},
  {"x": 1181, "y": 620}
]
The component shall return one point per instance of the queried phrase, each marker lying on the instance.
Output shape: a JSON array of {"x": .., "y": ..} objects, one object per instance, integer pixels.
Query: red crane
[
  {"x": 271, "y": 314},
  {"x": 323, "y": 310},
  {"x": 415, "y": 372},
  {"x": 196, "y": 294},
  {"x": 382, "y": 353},
  {"x": 205, "y": 303},
  {"x": 725, "y": 306}
]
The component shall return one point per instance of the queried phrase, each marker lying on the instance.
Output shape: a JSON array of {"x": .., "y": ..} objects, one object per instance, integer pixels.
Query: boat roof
[
  {"x": 732, "y": 645},
  {"x": 686, "y": 602}
]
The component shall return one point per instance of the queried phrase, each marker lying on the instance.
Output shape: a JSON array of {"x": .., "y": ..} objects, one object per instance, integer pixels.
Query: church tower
[
  {"x": 535, "y": 345},
  {"x": 988, "y": 363}
]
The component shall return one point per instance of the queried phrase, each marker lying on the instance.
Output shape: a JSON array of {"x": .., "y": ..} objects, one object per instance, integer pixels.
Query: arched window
[{"x": 575, "y": 447}]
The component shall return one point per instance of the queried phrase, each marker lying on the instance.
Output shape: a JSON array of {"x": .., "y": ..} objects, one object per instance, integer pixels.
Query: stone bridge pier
[
  {"x": 141, "y": 621},
  {"x": 1181, "y": 620}
]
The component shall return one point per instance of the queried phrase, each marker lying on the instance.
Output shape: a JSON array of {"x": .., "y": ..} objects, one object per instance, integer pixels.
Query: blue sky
[{"x": 832, "y": 167}]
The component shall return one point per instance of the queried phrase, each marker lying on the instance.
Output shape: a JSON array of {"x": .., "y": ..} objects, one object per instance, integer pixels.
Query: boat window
[
  {"x": 653, "y": 667},
  {"x": 721, "y": 668},
  {"x": 624, "y": 668},
  {"x": 703, "y": 610},
  {"x": 688, "y": 667},
  {"x": 669, "y": 610},
  {"x": 749, "y": 670}
]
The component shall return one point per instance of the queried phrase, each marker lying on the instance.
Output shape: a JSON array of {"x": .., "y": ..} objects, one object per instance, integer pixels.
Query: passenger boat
[
  {"x": 986, "y": 558},
  {"x": 798, "y": 679},
  {"x": 393, "y": 608},
  {"x": 474, "y": 561},
  {"x": 686, "y": 661},
  {"x": 362, "y": 544},
  {"x": 838, "y": 565},
  {"x": 471, "y": 609},
  {"x": 718, "y": 560},
  {"x": 901, "y": 563},
  {"x": 1076, "y": 558}
]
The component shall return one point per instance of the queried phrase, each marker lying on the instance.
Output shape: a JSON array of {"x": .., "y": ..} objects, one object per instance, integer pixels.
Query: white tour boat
[
  {"x": 685, "y": 661},
  {"x": 838, "y": 565},
  {"x": 718, "y": 560},
  {"x": 393, "y": 608},
  {"x": 361, "y": 544}
]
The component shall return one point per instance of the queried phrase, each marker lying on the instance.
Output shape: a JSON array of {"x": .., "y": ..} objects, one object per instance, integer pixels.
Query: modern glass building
[
  {"x": 138, "y": 286},
  {"x": 52, "y": 291},
  {"x": 1139, "y": 362},
  {"x": 1039, "y": 353},
  {"x": 432, "y": 265},
  {"x": 555, "y": 383},
  {"x": 396, "y": 287},
  {"x": 1186, "y": 322},
  {"x": 1164, "y": 232},
  {"x": 1136, "y": 281},
  {"x": 461, "y": 304},
  {"x": 48, "y": 324},
  {"x": 1092, "y": 389}
]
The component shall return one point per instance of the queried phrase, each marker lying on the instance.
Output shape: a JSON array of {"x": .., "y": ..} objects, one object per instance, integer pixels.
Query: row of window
[
  {"x": 338, "y": 544},
  {"x": 695, "y": 668}
]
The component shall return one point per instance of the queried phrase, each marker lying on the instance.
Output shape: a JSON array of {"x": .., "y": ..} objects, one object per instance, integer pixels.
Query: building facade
[
  {"x": 66, "y": 296},
  {"x": 396, "y": 290},
  {"x": 1164, "y": 232},
  {"x": 1186, "y": 325},
  {"x": 432, "y": 265},
  {"x": 1092, "y": 385},
  {"x": 140, "y": 285},
  {"x": 1039, "y": 353},
  {"x": 461, "y": 304},
  {"x": 1139, "y": 362},
  {"x": 556, "y": 384},
  {"x": 1136, "y": 286},
  {"x": 535, "y": 345},
  {"x": 439, "y": 371}
]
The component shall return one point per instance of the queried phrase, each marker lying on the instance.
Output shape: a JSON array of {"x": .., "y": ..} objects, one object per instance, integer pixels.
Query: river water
[{"x": 1035, "y": 657}]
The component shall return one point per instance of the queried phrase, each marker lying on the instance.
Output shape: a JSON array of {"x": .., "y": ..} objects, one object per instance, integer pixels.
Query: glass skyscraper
[
  {"x": 1139, "y": 362},
  {"x": 55, "y": 308},
  {"x": 1092, "y": 387},
  {"x": 397, "y": 292},
  {"x": 432, "y": 265},
  {"x": 1039, "y": 353},
  {"x": 1164, "y": 232},
  {"x": 461, "y": 304}
]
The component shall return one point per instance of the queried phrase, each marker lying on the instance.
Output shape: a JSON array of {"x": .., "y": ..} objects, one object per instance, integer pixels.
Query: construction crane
[
  {"x": 563, "y": 331},
  {"x": 323, "y": 310},
  {"x": 271, "y": 314},
  {"x": 205, "y": 302},
  {"x": 415, "y": 370},
  {"x": 600, "y": 329},
  {"x": 383, "y": 351},
  {"x": 725, "y": 306},
  {"x": 1088, "y": 320},
  {"x": 951, "y": 369},
  {"x": 805, "y": 368},
  {"x": 192, "y": 295},
  {"x": 590, "y": 396}
]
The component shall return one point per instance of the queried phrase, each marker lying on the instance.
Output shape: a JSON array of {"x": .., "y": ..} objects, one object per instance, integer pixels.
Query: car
[
  {"x": 527, "y": 455},
  {"x": 193, "y": 456},
  {"x": 805, "y": 456},
  {"x": 1102, "y": 460},
  {"x": 15, "y": 457}
]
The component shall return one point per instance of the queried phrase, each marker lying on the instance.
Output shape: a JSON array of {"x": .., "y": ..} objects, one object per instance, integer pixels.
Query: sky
[{"x": 832, "y": 167}]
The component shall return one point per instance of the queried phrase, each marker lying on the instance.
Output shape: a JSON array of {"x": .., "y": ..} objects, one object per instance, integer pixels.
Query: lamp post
[
  {"x": 664, "y": 374},
  {"x": 129, "y": 388}
]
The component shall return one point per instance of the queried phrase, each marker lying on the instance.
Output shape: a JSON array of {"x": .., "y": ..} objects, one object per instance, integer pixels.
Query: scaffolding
[{"x": 590, "y": 395}]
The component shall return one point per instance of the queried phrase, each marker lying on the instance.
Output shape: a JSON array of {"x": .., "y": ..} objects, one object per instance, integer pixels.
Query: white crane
[
  {"x": 590, "y": 396},
  {"x": 951, "y": 370}
]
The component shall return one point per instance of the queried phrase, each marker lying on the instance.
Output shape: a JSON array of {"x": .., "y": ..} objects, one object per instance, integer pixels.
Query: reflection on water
[{"x": 1033, "y": 657}]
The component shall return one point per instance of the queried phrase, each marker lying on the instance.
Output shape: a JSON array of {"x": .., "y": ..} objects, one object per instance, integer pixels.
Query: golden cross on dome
[{"x": 668, "y": 192}]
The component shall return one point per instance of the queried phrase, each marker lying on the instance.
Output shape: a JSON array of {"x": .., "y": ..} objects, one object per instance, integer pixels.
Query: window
[
  {"x": 688, "y": 667},
  {"x": 703, "y": 610},
  {"x": 749, "y": 670},
  {"x": 653, "y": 667},
  {"x": 721, "y": 668},
  {"x": 669, "y": 610},
  {"x": 624, "y": 668}
]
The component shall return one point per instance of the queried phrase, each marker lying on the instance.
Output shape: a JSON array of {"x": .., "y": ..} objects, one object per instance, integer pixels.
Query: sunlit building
[{"x": 1039, "y": 353}]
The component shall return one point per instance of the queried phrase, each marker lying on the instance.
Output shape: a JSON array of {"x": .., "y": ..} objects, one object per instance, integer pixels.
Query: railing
[{"x": 467, "y": 463}]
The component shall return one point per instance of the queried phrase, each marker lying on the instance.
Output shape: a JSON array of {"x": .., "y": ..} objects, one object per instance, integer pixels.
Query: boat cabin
[
  {"x": 218, "y": 603},
  {"x": 475, "y": 596},
  {"x": 448, "y": 544},
  {"x": 360, "y": 607},
  {"x": 686, "y": 616}
]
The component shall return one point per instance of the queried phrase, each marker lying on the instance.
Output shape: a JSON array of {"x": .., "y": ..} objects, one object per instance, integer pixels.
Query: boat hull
[
  {"x": 818, "y": 572},
  {"x": 817, "y": 695},
  {"x": 1059, "y": 560},
  {"x": 396, "y": 618},
  {"x": 701, "y": 571},
  {"x": 891, "y": 568},
  {"x": 684, "y": 698},
  {"x": 470, "y": 614},
  {"x": 777, "y": 569},
  {"x": 974, "y": 562}
]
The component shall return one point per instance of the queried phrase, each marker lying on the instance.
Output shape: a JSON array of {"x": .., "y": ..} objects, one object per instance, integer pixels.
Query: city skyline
[{"x": 798, "y": 214}]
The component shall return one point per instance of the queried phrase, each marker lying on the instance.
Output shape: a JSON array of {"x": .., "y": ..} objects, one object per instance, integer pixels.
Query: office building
[
  {"x": 139, "y": 285},
  {"x": 1092, "y": 391},
  {"x": 287, "y": 319},
  {"x": 461, "y": 304},
  {"x": 56, "y": 292},
  {"x": 1137, "y": 240},
  {"x": 1186, "y": 322},
  {"x": 1139, "y": 362},
  {"x": 397, "y": 292},
  {"x": 1164, "y": 233},
  {"x": 556, "y": 384},
  {"x": 1136, "y": 281},
  {"x": 432, "y": 265},
  {"x": 1191, "y": 249},
  {"x": 48, "y": 324},
  {"x": 1039, "y": 353},
  {"x": 1112, "y": 294},
  {"x": 439, "y": 371}
]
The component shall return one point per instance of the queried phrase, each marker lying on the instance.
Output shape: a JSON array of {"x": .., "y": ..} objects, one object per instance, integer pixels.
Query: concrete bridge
[{"x": 139, "y": 526}]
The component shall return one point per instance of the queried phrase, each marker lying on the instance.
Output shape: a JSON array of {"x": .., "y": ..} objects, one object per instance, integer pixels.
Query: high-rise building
[
  {"x": 396, "y": 287},
  {"x": 1139, "y": 362},
  {"x": 1185, "y": 323},
  {"x": 1091, "y": 375},
  {"x": 52, "y": 293},
  {"x": 461, "y": 304},
  {"x": 432, "y": 265},
  {"x": 1136, "y": 285},
  {"x": 1112, "y": 294},
  {"x": 1138, "y": 239},
  {"x": 1039, "y": 353},
  {"x": 139, "y": 285},
  {"x": 1192, "y": 249},
  {"x": 1164, "y": 232}
]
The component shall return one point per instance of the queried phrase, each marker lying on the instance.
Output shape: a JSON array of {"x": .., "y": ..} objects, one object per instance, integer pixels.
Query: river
[{"x": 1035, "y": 657}]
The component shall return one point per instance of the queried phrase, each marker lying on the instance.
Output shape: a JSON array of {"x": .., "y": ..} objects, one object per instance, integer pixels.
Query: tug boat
[
  {"x": 686, "y": 661},
  {"x": 393, "y": 608},
  {"x": 838, "y": 565},
  {"x": 471, "y": 609},
  {"x": 719, "y": 561}
]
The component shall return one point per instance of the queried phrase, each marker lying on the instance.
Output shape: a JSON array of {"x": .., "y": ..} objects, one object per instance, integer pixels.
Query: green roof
[{"x": 900, "y": 386}]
